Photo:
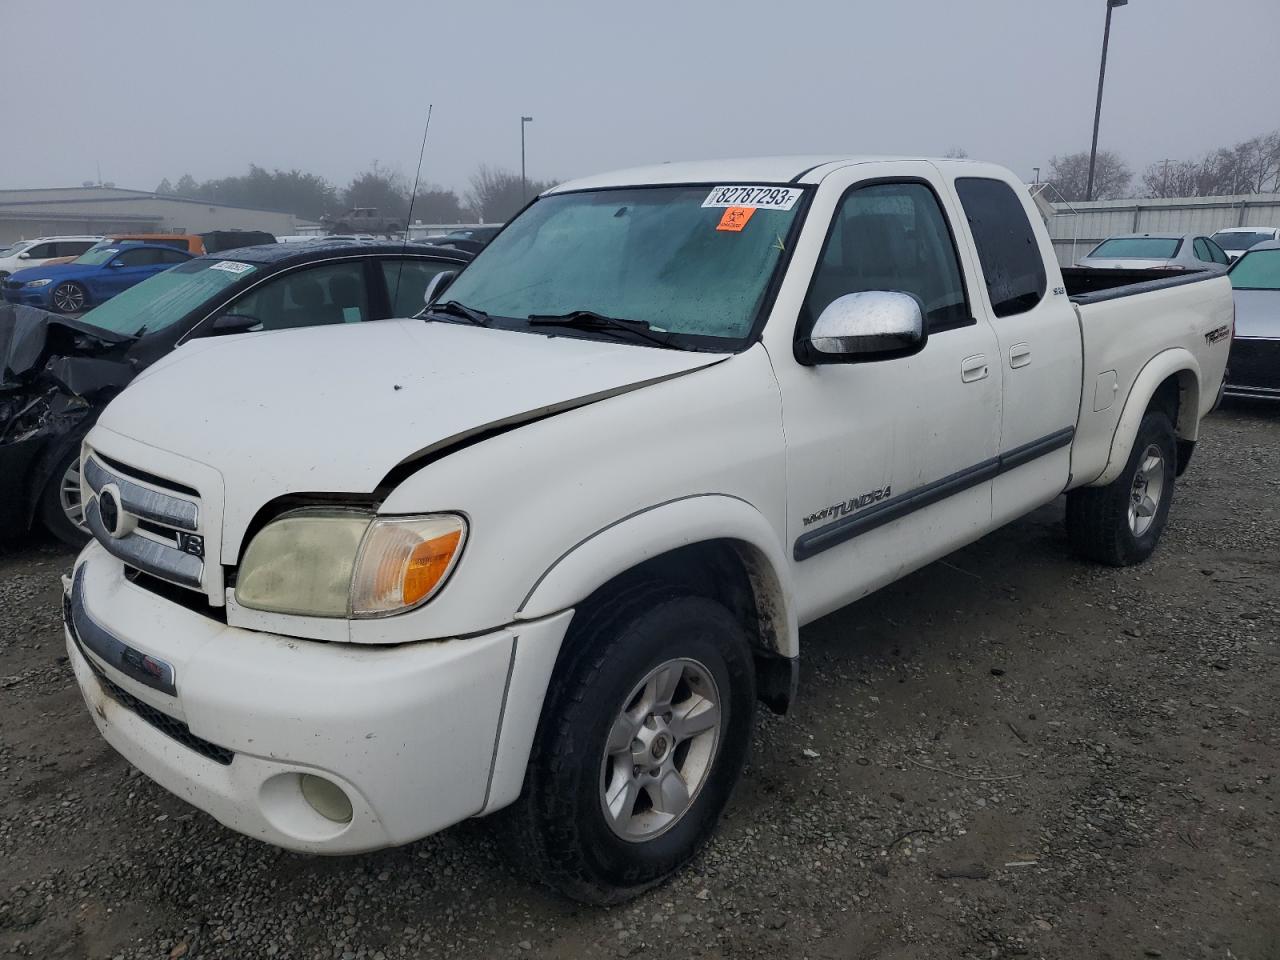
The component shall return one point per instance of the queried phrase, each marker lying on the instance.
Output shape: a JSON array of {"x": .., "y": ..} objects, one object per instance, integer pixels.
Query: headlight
[
  {"x": 338, "y": 563},
  {"x": 37, "y": 283}
]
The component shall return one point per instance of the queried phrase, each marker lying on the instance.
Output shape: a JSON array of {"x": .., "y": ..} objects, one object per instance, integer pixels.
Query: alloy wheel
[
  {"x": 1148, "y": 488},
  {"x": 661, "y": 749},
  {"x": 69, "y": 497}
]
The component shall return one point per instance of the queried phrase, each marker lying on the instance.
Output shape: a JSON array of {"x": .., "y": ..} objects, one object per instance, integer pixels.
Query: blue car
[{"x": 92, "y": 278}]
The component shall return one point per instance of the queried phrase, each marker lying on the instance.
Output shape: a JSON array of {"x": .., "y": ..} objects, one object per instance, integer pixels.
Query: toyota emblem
[{"x": 114, "y": 520}]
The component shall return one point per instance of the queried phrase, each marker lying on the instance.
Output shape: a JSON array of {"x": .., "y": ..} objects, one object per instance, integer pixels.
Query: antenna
[{"x": 408, "y": 220}]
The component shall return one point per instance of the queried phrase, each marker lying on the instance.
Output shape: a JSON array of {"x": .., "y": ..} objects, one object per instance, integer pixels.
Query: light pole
[
  {"x": 524, "y": 190},
  {"x": 1097, "y": 111}
]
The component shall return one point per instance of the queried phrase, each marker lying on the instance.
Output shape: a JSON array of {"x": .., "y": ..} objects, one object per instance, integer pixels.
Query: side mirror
[
  {"x": 24, "y": 256},
  {"x": 116, "y": 264},
  {"x": 437, "y": 285},
  {"x": 233, "y": 323},
  {"x": 873, "y": 325}
]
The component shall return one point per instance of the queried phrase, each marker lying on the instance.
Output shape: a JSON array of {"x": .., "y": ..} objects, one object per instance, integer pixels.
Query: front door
[{"x": 889, "y": 462}]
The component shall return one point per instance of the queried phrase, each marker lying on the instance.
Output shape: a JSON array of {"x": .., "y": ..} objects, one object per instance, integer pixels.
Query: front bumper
[
  {"x": 418, "y": 736},
  {"x": 28, "y": 296}
]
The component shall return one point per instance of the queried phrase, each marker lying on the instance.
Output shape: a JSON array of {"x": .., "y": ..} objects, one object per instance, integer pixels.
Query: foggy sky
[{"x": 158, "y": 89}]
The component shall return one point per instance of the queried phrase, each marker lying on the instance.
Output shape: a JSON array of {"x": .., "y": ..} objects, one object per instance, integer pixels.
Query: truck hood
[{"x": 334, "y": 409}]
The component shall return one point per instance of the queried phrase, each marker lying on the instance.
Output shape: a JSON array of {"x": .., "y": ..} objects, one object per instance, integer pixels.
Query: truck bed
[
  {"x": 1095, "y": 284},
  {"x": 1123, "y": 326}
]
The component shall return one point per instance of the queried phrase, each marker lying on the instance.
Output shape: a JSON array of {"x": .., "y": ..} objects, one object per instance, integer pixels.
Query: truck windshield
[
  {"x": 166, "y": 298},
  {"x": 1259, "y": 270},
  {"x": 698, "y": 274},
  {"x": 1137, "y": 248},
  {"x": 1239, "y": 239}
]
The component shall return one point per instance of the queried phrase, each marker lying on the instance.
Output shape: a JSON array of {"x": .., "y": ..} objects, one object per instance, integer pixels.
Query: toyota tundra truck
[{"x": 547, "y": 544}]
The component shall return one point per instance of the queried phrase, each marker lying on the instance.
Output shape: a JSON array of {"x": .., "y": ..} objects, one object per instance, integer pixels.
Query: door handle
[
  {"x": 1019, "y": 355},
  {"x": 974, "y": 368}
]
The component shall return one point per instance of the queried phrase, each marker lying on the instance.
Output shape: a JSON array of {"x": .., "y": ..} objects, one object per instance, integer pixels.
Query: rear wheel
[
  {"x": 69, "y": 297},
  {"x": 1121, "y": 523},
  {"x": 61, "y": 507},
  {"x": 644, "y": 734}
]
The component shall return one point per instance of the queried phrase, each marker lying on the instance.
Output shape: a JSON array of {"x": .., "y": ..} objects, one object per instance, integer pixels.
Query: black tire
[
  {"x": 557, "y": 830},
  {"x": 1098, "y": 520},
  {"x": 69, "y": 297},
  {"x": 50, "y": 509}
]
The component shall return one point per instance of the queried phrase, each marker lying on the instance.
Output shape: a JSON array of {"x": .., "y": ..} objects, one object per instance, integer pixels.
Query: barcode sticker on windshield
[
  {"x": 768, "y": 198},
  {"x": 231, "y": 266}
]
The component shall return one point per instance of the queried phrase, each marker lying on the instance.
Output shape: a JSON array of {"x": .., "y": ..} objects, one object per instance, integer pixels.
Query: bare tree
[
  {"x": 1070, "y": 175},
  {"x": 1251, "y": 166},
  {"x": 496, "y": 194},
  {"x": 957, "y": 153}
]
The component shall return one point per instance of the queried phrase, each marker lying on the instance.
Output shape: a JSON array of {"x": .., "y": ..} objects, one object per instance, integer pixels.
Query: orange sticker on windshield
[{"x": 735, "y": 218}]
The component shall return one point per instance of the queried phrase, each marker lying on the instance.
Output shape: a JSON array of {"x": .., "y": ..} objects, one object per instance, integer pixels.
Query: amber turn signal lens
[
  {"x": 403, "y": 561},
  {"x": 427, "y": 565}
]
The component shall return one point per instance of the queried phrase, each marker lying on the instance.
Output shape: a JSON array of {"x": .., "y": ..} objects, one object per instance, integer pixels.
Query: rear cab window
[{"x": 1012, "y": 264}]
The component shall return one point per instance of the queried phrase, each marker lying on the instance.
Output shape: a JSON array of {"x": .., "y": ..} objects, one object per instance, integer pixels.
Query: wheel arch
[
  {"x": 1171, "y": 382},
  {"x": 715, "y": 545}
]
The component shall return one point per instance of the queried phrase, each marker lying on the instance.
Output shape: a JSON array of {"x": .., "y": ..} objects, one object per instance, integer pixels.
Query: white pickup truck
[{"x": 546, "y": 545}]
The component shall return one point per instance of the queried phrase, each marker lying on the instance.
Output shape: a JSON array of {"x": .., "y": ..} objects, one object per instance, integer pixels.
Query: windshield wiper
[
  {"x": 455, "y": 309},
  {"x": 590, "y": 320}
]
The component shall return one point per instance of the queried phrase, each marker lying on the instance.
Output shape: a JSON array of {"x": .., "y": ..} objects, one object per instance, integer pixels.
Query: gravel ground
[{"x": 1009, "y": 753}]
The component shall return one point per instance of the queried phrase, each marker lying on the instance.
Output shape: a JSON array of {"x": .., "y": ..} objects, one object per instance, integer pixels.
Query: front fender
[
  {"x": 661, "y": 528},
  {"x": 1178, "y": 362}
]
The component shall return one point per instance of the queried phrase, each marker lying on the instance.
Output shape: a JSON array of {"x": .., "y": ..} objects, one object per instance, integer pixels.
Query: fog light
[{"x": 326, "y": 798}]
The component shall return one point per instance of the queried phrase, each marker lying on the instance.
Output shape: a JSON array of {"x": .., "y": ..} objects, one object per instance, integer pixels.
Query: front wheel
[
  {"x": 644, "y": 733},
  {"x": 1121, "y": 523},
  {"x": 61, "y": 507},
  {"x": 69, "y": 297}
]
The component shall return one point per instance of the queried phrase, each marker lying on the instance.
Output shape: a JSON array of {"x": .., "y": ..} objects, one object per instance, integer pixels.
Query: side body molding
[
  {"x": 1175, "y": 362},
  {"x": 663, "y": 527}
]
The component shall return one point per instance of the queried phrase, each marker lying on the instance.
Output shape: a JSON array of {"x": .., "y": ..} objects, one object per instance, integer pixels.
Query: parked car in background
[
  {"x": 1253, "y": 369},
  {"x": 92, "y": 278},
  {"x": 364, "y": 220},
  {"x": 1156, "y": 251},
  {"x": 70, "y": 369},
  {"x": 1236, "y": 240},
  {"x": 548, "y": 544},
  {"x": 187, "y": 242},
  {"x": 215, "y": 241},
  {"x": 470, "y": 239},
  {"x": 36, "y": 253}
]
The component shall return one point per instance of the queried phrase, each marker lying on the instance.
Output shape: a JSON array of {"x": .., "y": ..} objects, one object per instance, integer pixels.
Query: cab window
[
  {"x": 1012, "y": 264},
  {"x": 891, "y": 236}
]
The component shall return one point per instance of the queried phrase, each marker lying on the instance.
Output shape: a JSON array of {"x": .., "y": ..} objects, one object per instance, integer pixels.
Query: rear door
[{"x": 1039, "y": 340}]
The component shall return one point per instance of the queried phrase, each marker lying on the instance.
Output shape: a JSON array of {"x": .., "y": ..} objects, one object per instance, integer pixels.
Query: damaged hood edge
[{"x": 351, "y": 408}]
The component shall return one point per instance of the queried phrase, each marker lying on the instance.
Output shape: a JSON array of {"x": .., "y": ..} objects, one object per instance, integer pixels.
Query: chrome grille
[{"x": 159, "y": 532}]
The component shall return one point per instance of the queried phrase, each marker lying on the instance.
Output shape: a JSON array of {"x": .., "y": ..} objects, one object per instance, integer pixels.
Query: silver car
[
  {"x": 1236, "y": 240},
  {"x": 1253, "y": 369},
  {"x": 1156, "y": 251}
]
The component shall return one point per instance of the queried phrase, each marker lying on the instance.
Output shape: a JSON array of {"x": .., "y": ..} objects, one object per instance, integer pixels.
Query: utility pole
[
  {"x": 1097, "y": 110},
  {"x": 1164, "y": 184},
  {"x": 524, "y": 188},
  {"x": 1037, "y": 170}
]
